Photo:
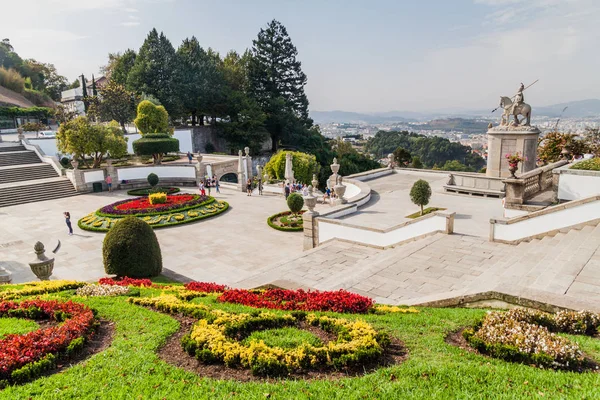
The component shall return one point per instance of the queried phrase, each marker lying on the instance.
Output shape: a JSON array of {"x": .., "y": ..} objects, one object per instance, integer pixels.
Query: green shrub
[
  {"x": 151, "y": 118},
  {"x": 295, "y": 202},
  {"x": 152, "y": 179},
  {"x": 420, "y": 193},
  {"x": 155, "y": 145},
  {"x": 209, "y": 148},
  {"x": 131, "y": 249},
  {"x": 593, "y": 164},
  {"x": 305, "y": 165},
  {"x": 11, "y": 79}
]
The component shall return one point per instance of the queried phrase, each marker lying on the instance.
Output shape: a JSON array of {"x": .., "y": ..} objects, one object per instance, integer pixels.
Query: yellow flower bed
[
  {"x": 157, "y": 198},
  {"x": 43, "y": 287},
  {"x": 394, "y": 309}
]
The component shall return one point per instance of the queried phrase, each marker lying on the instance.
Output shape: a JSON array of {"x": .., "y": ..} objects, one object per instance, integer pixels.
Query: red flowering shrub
[
  {"x": 125, "y": 281},
  {"x": 206, "y": 287},
  {"x": 337, "y": 301},
  {"x": 17, "y": 351}
]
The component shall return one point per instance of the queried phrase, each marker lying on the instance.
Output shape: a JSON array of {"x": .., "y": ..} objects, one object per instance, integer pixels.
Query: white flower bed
[{"x": 102, "y": 290}]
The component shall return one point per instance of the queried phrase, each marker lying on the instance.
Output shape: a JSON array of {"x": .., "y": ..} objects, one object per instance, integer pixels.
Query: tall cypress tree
[
  {"x": 277, "y": 82},
  {"x": 84, "y": 93},
  {"x": 155, "y": 72},
  {"x": 94, "y": 91}
]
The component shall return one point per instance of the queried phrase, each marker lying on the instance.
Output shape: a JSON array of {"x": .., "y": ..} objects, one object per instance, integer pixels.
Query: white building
[{"x": 73, "y": 98}]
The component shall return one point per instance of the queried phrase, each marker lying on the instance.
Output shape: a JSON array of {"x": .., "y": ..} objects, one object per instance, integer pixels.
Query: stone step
[
  {"x": 12, "y": 147},
  {"x": 19, "y": 158},
  {"x": 36, "y": 192},
  {"x": 36, "y": 171}
]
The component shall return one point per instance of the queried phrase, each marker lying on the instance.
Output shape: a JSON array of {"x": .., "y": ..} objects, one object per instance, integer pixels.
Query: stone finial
[
  {"x": 310, "y": 200},
  {"x": 199, "y": 158},
  {"x": 247, "y": 151},
  {"x": 315, "y": 181},
  {"x": 42, "y": 266},
  {"x": 240, "y": 153},
  {"x": 74, "y": 163}
]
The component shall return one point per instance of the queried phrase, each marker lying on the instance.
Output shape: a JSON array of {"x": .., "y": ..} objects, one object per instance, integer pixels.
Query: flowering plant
[
  {"x": 205, "y": 287},
  {"x": 514, "y": 159},
  {"x": 142, "y": 205},
  {"x": 157, "y": 198},
  {"x": 125, "y": 281},
  {"x": 102, "y": 290},
  {"x": 336, "y": 301}
]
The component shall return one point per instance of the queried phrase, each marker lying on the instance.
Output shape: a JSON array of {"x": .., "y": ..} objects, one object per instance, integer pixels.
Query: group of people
[
  {"x": 249, "y": 185},
  {"x": 208, "y": 183},
  {"x": 290, "y": 188}
]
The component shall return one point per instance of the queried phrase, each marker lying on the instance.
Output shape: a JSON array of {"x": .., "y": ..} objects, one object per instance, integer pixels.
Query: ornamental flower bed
[
  {"x": 205, "y": 287},
  {"x": 23, "y": 357},
  {"x": 125, "y": 281},
  {"x": 179, "y": 209},
  {"x": 43, "y": 287},
  {"x": 337, "y": 301},
  {"x": 102, "y": 290},
  {"x": 525, "y": 336}
]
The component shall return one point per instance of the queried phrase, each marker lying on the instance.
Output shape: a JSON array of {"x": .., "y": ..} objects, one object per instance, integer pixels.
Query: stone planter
[{"x": 42, "y": 266}]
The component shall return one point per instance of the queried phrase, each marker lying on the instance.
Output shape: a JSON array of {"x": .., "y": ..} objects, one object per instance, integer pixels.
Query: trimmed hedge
[
  {"x": 131, "y": 249},
  {"x": 147, "y": 191},
  {"x": 155, "y": 143},
  {"x": 283, "y": 228},
  {"x": 593, "y": 164}
]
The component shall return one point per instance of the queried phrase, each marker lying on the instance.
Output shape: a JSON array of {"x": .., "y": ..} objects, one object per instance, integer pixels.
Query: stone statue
[{"x": 516, "y": 108}]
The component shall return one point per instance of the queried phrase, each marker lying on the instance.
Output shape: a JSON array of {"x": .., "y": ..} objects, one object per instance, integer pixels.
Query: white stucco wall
[
  {"x": 547, "y": 222},
  {"x": 48, "y": 146},
  {"x": 93, "y": 176},
  {"x": 328, "y": 230},
  {"x": 162, "y": 172},
  {"x": 575, "y": 187},
  {"x": 351, "y": 190}
]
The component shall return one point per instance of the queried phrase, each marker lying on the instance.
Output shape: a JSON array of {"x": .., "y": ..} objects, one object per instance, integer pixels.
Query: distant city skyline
[{"x": 359, "y": 56}]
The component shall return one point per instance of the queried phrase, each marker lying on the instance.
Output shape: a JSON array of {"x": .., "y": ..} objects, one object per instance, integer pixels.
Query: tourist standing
[
  {"x": 249, "y": 187},
  {"x": 201, "y": 188},
  {"x": 189, "y": 156},
  {"x": 208, "y": 185},
  {"x": 217, "y": 184},
  {"x": 108, "y": 181},
  {"x": 260, "y": 187},
  {"x": 68, "y": 222},
  {"x": 286, "y": 190}
]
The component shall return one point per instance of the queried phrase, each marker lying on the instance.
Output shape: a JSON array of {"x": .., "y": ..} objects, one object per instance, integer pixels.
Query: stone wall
[{"x": 201, "y": 135}]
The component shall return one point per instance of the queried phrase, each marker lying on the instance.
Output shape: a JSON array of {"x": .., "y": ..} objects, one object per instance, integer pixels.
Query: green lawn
[
  {"x": 16, "y": 326},
  {"x": 130, "y": 368}
]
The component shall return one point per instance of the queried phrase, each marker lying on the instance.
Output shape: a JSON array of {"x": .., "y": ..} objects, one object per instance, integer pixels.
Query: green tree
[
  {"x": 81, "y": 138},
  {"x": 155, "y": 72},
  {"x": 94, "y": 89},
  {"x": 592, "y": 140},
  {"x": 84, "y": 93},
  {"x": 420, "y": 193},
  {"x": 550, "y": 147},
  {"x": 153, "y": 124},
  {"x": 119, "y": 65},
  {"x": 295, "y": 203},
  {"x": 455, "y": 165},
  {"x": 416, "y": 162},
  {"x": 402, "y": 157},
  {"x": 276, "y": 81},
  {"x": 75, "y": 84},
  {"x": 304, "y": 165},
  {"x": 115, "y": 103}
]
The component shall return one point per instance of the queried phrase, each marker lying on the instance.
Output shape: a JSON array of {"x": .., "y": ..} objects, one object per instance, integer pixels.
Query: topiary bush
[
  {"x": 295, "y": 202},
  {"x": 420, "y": 193},
  {"x": 304, "y": 165},
  {"x": 152, "y": 179},
  {"x": 131, "y": 249}
]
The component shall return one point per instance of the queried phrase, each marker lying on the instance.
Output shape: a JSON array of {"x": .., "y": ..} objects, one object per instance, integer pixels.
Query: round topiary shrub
[
  {"x": 295, "y": 202},
  {"x": 152, "y": 179},
  {"x": 131, "y": 249}
]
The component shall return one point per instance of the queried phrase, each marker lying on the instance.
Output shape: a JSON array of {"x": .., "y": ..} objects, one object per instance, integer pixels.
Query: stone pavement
[
  {"x": 564, "y": 268},
  {"x": 225, "y": 249}
]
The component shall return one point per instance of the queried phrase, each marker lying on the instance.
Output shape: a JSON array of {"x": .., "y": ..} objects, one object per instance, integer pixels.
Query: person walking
[
  {"x": 249, "y": 187},
  {"x": 260, "y": 187},
  {"x": 201, "y": 188},
  {"x": 189, "y": 156},
  {"x": 208, "y": 185},
  {"x": 108, "y": 181},
  {"x": 286, "y": 190},
  {"x": 217, "y": 184},
  {"x": 68, "y": 222}
]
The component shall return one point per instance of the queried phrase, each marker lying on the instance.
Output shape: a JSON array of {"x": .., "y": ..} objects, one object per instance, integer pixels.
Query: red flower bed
[
  {"x": 338, "y": 301},
  {"x": 142, "y": 203},
  {"x": 126, "y": 282},
  {"x": 205, "y": 287},
  {"x": 18, "y": 350}
]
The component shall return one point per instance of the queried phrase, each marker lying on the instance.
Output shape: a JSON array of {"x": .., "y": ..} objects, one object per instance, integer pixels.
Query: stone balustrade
[{"x": 528, "y": 185}]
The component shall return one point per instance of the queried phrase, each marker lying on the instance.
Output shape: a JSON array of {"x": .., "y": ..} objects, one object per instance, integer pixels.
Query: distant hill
[
  {"x": 10, "y": 98},
  {"x": 456, "y": 124},
  {"x": 576, "y": 109}
]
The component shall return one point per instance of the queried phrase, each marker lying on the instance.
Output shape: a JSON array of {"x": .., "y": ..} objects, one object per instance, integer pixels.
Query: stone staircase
[
  {"x": 24, "y": 178},
  {"x": 564, "y": 267}
]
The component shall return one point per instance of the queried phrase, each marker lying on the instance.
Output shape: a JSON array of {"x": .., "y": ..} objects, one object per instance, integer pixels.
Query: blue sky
[{"x": 368, "y": 56}]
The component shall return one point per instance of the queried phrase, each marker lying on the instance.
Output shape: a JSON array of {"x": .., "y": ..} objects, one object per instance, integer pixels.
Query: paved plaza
[{"x": 238, "y": 248}]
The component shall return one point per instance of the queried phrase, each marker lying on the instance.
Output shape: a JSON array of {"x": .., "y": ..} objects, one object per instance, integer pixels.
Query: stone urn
[
  {"x": 42, "y": 266},
  {"x": 315, "y": 182},
  {"x": 5, "y": 276},
  {"x": 340, "y": 190},
  {"x": 310, "y": 200},
  {"x": 390, "y": 160},
  {"x": 199, "y": 158},
  {"x": 335, "y": 167},
  {"x": 74, "y": 163},
  {"x": 512, "y": 168}
]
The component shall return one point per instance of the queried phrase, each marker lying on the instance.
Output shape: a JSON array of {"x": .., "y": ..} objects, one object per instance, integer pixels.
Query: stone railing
[
  {"x": 474, "y": 184},
  {"x": 548, "y": 221},
  {"x": 327, "y": 229},
  {"x": 52, "y": 160},
  {"x": 528, "y": 185}
]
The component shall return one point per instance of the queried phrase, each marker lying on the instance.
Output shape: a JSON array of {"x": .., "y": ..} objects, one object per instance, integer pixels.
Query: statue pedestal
[{"x": 504, "y": 140}]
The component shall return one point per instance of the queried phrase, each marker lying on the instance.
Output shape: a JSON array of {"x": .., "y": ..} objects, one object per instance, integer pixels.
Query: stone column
[
  {"x": 504, "y": 140},
  {"x": 248, "y": 158},
  {"x": 309, "y": 221},
  {"x": 79, "y": 181},
  {"x": 240, "y": 172}
]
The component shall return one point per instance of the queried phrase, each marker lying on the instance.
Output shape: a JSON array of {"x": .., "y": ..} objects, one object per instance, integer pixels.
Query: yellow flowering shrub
[
  {"x": 42, "y": 287},
  {"x": 157, "y": 198},
  {"x": 382, "y": 308}
]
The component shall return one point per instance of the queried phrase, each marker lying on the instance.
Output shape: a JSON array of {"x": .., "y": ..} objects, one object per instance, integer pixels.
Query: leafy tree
[
  {"x": 416, "y": 162},
  {"x": 114, "y": 103},
  {"x": 402, "y": 157},
  {"x": 119, "y": 65},
  {"x": 276, "y": 81},
  {"x": 155, "y": 72},
  {"x": 94, "y": 89},
  {"x": 420, "y": 193},
  {"x": 244, "y": 126},
  {"x": 304, "y": 165},
  {"x": 455, "y": 165},
  {"x": 63, "y": 114},
  {"x": 84, "y": 93},
  {"x": 550, "y": 147},
  {"x": 45, "y": 78},
  {"x": 81, "y": 138},
  {"x": 153, "y": 123},
  {"x": 350, "y": 160},
  {"x": 592, "y": 140},
  {"x": 75, "y": 84}
]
